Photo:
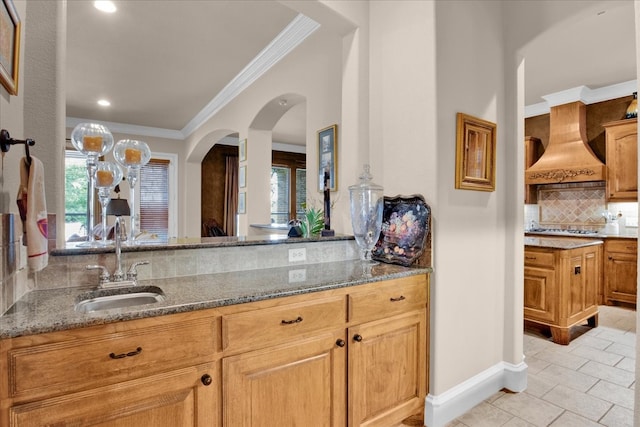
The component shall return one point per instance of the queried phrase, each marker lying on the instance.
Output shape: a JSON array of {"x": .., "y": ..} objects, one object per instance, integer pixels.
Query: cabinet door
[
  {"x": 539, "y": 294},
  {"x": 291, "y": 385},
  {"x": 622, "y": 161},
  {"x": 620, "y": 277},
  {"x": 583, "y": 282},
  {"x": 387, "y": 370},
  {"x": 175, "y": 398}
]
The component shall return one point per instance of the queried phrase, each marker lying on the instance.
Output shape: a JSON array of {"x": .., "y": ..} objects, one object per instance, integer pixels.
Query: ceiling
[
  {"x": 595, "y": 47},
  {"x": 160, "y": 72}
]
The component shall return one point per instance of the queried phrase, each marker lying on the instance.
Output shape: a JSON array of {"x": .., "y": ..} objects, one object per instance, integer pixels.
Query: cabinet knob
[
  {"x": 357, "y": 337},
  {"x": 206, "y": 379},
  {"x": 340, "y": 342}
]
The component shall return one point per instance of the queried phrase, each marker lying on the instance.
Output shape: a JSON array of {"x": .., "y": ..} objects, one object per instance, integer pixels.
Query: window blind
[{"x": 154, "y": 197}]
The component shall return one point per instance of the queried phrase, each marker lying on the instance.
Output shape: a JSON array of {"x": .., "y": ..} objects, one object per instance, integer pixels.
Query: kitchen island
[{"x": 562, "y": 277}]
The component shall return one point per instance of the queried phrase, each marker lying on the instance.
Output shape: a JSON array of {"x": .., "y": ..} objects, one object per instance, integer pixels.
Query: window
[
  {"x": 301, "y": 192},
  {"x": 154, "y": 198},
  {"x": 288, "y": 186},
  {"x": 75, "y": 194},
  {"x": 280, "y": 195}
]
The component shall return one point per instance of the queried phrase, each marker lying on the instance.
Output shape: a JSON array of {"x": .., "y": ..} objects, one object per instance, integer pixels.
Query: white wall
[
  {"x": 469, "y": 280},
  {"x": 313, "y": 71}
]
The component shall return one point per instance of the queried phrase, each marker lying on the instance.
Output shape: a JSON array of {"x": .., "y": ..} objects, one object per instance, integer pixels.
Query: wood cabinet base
[{"x": 561, "y": 288}]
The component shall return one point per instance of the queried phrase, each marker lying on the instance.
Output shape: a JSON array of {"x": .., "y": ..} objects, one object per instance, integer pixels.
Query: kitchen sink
[{"x": 106, "y": 299}]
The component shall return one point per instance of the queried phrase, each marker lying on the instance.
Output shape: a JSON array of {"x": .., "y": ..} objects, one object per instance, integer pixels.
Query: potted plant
[{"x": 312, "y": 223}]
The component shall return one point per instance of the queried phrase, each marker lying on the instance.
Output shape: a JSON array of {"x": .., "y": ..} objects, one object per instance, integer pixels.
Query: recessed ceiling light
[
  {"x": 104, "y": 103},
  {"x": 105, "y": 6}
]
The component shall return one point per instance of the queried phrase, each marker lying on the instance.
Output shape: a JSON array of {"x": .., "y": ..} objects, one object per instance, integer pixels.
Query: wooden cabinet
[
  {"x": 354, "y": 356},
  {"x": 387, "y": 370},
  {"x": 621, "y": 271},
  {"x": 532, "y": 151},
  {"x": 561, "y": 288},
  {"x": 158, "y": 371},
  {"x": 302, "y": 383},
  {"x": 174, "y": 398},
  {"x": 622, "y": 160}
]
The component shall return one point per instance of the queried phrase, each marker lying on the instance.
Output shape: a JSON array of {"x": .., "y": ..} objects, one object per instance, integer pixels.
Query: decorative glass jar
[{"x": 366, "y": 203}]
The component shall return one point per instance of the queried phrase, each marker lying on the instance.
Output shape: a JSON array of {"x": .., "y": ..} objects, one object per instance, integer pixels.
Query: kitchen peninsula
[
  {"x": 325, "y": 333},
  {"x": 562, "y": 277}
]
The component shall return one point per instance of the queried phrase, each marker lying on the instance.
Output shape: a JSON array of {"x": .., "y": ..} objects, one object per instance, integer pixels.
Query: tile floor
[{"x": 588, "y": 383}]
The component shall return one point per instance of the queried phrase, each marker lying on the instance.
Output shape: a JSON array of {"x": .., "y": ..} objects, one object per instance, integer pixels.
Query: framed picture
[
  {"x": 328, "y": 158},
  {"x": 242, "y": 203},
  {"x": 9, "y": 46},
  {"x": 475, "y": 154},
  {"x": 242, "y": 150},
  {"x": 242, "y": 177}
]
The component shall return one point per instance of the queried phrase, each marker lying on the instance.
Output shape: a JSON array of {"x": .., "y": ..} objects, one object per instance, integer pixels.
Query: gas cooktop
[{"x": 564, "y": 231}]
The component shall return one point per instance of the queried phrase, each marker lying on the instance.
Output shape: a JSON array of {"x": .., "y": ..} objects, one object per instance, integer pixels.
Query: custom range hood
[{"x": 568, "y": 157}]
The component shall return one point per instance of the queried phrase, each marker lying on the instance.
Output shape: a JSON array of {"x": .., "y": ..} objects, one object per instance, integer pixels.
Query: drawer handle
[
  {"x": 123, "y": 355},
  {"x": 400, "y": 298},
  {"x": 291, "y": 322},
  {"x": 357, "y": 337},
  {"x": 206, "y": 379},
  {"x": 530, "y": 257}
]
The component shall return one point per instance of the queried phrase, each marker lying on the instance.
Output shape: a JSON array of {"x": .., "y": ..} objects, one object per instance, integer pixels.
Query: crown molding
[
  {"x": 295, "y": 33},
  {"x": 581, "y": 93},
  {"x": 72, "y": 122}
]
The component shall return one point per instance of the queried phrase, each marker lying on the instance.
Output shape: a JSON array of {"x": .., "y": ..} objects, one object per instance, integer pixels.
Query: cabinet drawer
[
  {"x": 269, "y": 326},
  {"x": 397, "y": 296},
  {"x": 539, "y": 259},
  {"x": 624, "y": 245},
  {"x": 89, "y": 361}
]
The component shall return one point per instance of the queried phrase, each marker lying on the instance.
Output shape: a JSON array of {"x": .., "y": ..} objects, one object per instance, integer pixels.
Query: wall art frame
[
  {"x": 475, "y": 153},
  {"x": 242, "y": 150},
  {"x": 242, "y": 203},
  {"x": 242, "y": 177},
  {"x": 328, "y": 157},
  {"x": 10, "y": 46}
]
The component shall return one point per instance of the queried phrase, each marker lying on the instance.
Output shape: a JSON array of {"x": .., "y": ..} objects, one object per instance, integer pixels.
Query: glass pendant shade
[{"x": 366, "y": 205}]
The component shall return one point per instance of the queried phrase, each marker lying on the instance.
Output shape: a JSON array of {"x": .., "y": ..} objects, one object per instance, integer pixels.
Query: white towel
[{"x": 33, "y": 211}]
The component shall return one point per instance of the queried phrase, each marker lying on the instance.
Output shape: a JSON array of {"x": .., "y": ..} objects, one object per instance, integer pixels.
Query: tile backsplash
[{"x": 576, "y": 205}]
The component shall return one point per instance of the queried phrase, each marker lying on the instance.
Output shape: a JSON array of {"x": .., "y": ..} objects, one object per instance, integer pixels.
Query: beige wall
[{"x": 12, "y": 119}]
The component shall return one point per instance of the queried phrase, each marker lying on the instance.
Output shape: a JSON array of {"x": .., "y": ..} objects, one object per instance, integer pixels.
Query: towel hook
[{"x": 6, "y": 142}]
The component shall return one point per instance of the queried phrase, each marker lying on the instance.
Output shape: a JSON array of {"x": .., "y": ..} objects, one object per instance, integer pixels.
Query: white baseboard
[{"x": 445, "y": 407}]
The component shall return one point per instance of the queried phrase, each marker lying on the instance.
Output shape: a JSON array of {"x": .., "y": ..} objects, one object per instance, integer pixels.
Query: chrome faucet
[{"x": 118, "y": 278}]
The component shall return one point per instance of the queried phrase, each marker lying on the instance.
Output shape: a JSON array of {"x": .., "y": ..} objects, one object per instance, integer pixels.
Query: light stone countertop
[
  {"x": 53, "y": 310},
  {"x": 560, "y": 243}
]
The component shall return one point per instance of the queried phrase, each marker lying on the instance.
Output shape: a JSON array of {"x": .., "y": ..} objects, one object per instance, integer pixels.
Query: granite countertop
[
  {"x": 194, "y": 243},
  {"x": 53, "y": 310},
  {"x": 560, "y": 243},
  {"x": 628, "y": 233}
]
